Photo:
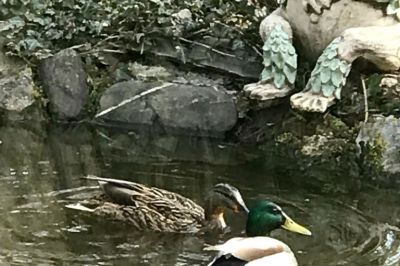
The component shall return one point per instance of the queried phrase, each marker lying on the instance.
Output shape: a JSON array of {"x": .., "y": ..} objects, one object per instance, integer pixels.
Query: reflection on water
[{"x": 40, "y": 172}]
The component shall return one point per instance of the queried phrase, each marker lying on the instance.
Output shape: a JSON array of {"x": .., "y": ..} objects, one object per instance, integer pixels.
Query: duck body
[
  {"x": 148, "y": 208},
  {"x": 258, "y": 249},
  {"x": 253, "y": 251}
]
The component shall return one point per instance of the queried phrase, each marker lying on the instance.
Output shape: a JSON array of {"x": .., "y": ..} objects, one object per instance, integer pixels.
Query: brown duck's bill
[
  {"x": 294, "y": 227},
  {"x": 240, "y": 205},
  {"x": 240, "y": 208},
  {"x": 244, "y": 207}
]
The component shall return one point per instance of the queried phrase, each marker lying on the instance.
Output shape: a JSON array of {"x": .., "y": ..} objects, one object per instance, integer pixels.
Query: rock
[
  {"x": 183, "y": 15},
  {"x": 384, "y": 93},
  {"x": 195, "y": 108},
  {"x": 64, "y": 82},
  {"x": 148, "y": 73},
  {"x": 379, "y": 143},
  {"x": 241, "y": 59},
  {"x": 135, "y": 112},
  {"x": 169, "y": 105},
  {"x": 16, "y": 85},
  {"x": 314, "y": 145}
]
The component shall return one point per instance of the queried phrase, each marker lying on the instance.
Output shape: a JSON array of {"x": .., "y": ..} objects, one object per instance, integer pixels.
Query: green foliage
[
  {"x": 381, "y": 97},
  {"x": 374, "y": 86},
  {"x": 287, "y": 138},
  {"x": 35, "y": 28},
  {"x": 372, "y": 156},
  {"x": 38, "y": 28}
]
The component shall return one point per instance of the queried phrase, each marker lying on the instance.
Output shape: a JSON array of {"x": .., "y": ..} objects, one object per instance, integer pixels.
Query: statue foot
[
  {"x": 279, "y": 60},
  {"x": 326, "y": 81},
  {"x": 311, "y": 102},
  {"x": 265, "y": 91}
]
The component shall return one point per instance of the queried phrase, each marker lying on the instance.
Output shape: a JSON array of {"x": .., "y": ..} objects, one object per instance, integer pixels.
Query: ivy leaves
[{"x": 35, "y": 29}]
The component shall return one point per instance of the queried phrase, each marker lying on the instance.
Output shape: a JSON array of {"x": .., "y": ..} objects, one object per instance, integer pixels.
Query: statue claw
[
  {"x": 265, "y": 91},
  {"x": 309, "y": 102}
]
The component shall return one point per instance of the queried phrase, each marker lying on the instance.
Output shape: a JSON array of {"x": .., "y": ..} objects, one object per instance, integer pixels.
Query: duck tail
[
  {"x": 79, "y": 207},
  {"x": 210, "y": 247}
]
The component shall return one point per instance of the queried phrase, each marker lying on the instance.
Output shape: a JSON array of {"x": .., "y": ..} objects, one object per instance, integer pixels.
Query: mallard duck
[
  {"x": 161, "y": 210},
  {"x": 257, "y": 248}
]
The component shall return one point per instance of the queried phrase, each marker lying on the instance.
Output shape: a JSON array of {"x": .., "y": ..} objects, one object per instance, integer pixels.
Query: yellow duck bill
[{"x": 294, "y": 227}]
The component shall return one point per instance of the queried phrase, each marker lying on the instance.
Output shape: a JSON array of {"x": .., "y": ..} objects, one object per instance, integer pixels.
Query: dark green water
[{"x": 353, "y": 222}]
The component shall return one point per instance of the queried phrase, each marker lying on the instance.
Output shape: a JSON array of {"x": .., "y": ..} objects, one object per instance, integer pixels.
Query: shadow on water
[{"x": 40, "y": 172}]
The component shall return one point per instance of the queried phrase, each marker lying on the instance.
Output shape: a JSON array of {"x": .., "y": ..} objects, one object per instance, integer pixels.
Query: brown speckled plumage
[{"x": 147, "y": 208}]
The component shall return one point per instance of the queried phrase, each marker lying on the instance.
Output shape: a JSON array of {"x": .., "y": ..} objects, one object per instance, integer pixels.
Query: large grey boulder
[
  {"x": 170, "y": 105},
  {"x": 64, "y": 82},
  {"x": 380, "y": 140},
  {"x": 16, "y": 85}
]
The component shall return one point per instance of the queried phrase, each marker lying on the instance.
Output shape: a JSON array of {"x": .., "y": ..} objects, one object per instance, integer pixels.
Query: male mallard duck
[
  {"x": 257, "y": 249},
  {"x": 161, "y": 210}
]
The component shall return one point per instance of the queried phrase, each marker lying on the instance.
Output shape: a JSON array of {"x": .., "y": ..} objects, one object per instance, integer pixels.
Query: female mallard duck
[
  {"x": 257, "y": 249},
  {"x": 161, "y": 210}
]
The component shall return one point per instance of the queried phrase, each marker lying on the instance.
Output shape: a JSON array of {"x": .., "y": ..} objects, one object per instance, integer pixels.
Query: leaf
[
  {"x": 344, "y": 66},
  {"x": 275, "y": 48},
  {"x": 327, "y": 90},
  {"x": 30, "y": 44},
  {"x": 337, "y": 78},
  {"x": 373, "y": 85},
  {"x": 331, "y": 54},
  {"x": 276, "y": 42},
  {"x": 326, "y": 62},
  {"x": 290, "y": 73},
  {"x": 279, "y": 79},
  {"x": 292, "y": 61},
  {"x": 266, "y": 74},
  {"x": 315, "y": 85},
  {"x": 266, "y": 46},
  {"x": 277, "y": 60},
  {"x": 267, "y": 60},
  {"x": 338, "y": 92},
  {"x": 12, "y": 24},
  {"x": 334, "y": 64},
  {"x": 291, "y": 50},
  {"x": 325, "y": 74}
]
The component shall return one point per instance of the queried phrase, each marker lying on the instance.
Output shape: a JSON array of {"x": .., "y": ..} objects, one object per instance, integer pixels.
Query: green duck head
[{"x": 267, "y": 216}]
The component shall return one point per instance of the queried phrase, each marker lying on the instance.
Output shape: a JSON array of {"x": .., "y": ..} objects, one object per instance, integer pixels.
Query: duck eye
[{"x": 275, "y": 210}]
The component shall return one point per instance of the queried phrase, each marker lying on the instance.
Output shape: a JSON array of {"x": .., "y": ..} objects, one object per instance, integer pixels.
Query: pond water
[{"x": 354, "y": 222}]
